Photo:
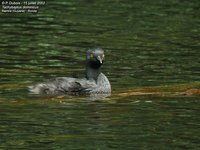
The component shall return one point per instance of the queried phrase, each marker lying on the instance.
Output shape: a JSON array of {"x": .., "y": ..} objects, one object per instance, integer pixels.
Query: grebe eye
[{"x": 91, "y": 55}]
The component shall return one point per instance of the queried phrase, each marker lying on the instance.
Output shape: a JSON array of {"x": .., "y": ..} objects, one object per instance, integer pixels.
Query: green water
[{"x": 147, "y": 44}]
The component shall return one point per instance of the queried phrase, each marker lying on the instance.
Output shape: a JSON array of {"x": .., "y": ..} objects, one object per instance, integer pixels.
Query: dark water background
[{"x": 147, "y": 43}]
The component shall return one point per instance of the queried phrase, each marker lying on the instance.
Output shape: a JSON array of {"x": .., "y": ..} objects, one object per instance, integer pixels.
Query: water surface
[{"x": 148, "y": 45}]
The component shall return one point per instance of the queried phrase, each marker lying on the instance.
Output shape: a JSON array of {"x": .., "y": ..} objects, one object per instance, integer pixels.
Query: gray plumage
[{"x": 94, "y": 83}]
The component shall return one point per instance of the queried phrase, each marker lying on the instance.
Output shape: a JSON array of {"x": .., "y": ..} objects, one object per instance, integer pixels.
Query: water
[{"x": 150, "y": 46}]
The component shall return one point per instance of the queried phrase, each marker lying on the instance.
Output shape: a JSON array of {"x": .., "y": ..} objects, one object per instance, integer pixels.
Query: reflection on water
[
  {"x": 147, "y": 44},
  {"x": 135, "y": 122}
]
